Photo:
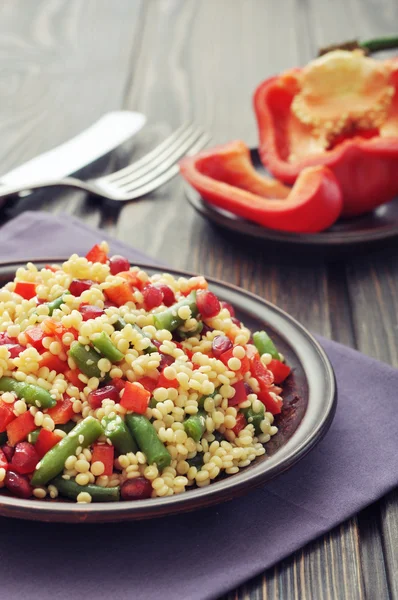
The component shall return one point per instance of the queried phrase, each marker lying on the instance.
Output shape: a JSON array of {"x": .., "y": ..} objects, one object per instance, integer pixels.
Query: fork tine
[
  {"x": 153, "y": 154},
  {"x": 136, "y": 192},
  {"x": 161, "y": 164}
]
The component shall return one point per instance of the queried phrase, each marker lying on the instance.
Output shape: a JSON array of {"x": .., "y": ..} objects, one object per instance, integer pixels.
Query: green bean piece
[
  {"x": 202, "y": 399},
  {"x": 115, "y": 429},
  {"x": 3, "y": 438},
  {"x": 67, "y": 427},
  {"x": 33, "y": 435},
  {"x": 152, "y": 402},
  {"x": 86, "y": 360},
  {"x": 254, "y": 418},
  {"x": 52, "y": 463},
  {"x": 148, "y": 442},
  {"x": 185, "y": 335},
  {"x": 32, "y": 394},
  {"x": 70, "y": 489},
  {"x": 119, "y": 324},
  {"x": 56, "y": 303},
  {"x": 104, "y": 344},
  {"x": 196, "y": 461},
  {"x": 264, "y": 344},
  {"x": 195, "y": 426},
  {"x": 169, "y": 319}
]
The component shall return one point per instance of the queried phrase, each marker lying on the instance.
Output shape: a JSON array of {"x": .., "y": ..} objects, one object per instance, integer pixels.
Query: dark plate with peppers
[
  {"x": 365, "y": 231},
  {"x": 309, "y": 403}
]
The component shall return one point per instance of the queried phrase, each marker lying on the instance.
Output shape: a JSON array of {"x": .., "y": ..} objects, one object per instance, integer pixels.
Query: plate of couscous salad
[{"x": 127, "y": 392}]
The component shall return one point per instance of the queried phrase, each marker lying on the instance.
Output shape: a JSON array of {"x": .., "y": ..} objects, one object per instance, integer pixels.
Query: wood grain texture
[{"x": 66, "y": 62}]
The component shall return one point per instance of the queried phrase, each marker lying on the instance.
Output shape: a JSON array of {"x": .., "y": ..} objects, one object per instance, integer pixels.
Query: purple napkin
[{"x": 206, "y": 553}]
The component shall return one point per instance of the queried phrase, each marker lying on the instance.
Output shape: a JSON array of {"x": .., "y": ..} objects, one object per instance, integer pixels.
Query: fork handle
[{"x": 12, "y": 190}]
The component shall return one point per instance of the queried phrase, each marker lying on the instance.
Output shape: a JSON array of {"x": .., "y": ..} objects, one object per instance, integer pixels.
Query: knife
[{"x": 111, "y": 130}]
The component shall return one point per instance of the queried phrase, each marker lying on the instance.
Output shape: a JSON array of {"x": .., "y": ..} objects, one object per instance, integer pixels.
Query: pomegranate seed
[
  {"x": 236, "y": 321},
  {"x": 90, "y": 312},
  {"x": 156, "y": 343},
  {"x": 168, "y": 294},
  {"x": 220, "y": 344},
  {"x": 78, "y": 286},
  {"x": 6, "y": 339},
  {"x": 96, "y": 397},
  {"x": 118, "y": 264},
  {"x": 15, "y": 349},
  {"x": 208, "y": 304},
  {"x": 25, "y": 458},
  {"x": 136, "y": 489},
  {"x": 18, "y": 485},
  {"x": 8, "y": 451},
  {"x": 228, "y": 306},
  {"x": 165, "y": 361},
  {"x": 153, "y": 297}
]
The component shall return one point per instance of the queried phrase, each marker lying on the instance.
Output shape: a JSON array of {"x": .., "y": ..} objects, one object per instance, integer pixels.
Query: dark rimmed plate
[
  {"x": 366, "y": 231},
  {"x": 309, "y": 406}
]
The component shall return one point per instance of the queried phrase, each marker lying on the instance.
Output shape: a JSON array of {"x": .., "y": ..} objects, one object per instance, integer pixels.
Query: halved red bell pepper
[
  {"x": 26, "y": 289},
  {"x": 343, "y": 116},
  {"x": 225, "y": 177}
]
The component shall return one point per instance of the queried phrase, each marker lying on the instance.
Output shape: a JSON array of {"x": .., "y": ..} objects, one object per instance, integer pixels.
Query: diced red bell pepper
[
  {"x": 135, "y": 398},
  {"x": 118, "y": 383},
  {"x": 53, "y": 268},
  {"x": 167, "y": 383},
  {"x": 148, "y": 383},
  {"x": 56, "y": 329},
  {"x": 45, "y": 441},
  {"x": 120, "y": 294},
  {"x": 97, "y": 254},
  {"x": 19, "y": 429},
  {"x": 240, "y": 423},
  {"x": 96, "y": 397},
  {"x": 273, "y": 406},
  {"x": 6, "y": 415},
  {"x": 73, "y": 377},
  {"x": 261, "y": 373},
  {"x": 3, "y": 460},
  {"x": 90, "y": 312},
  {"x": 240, "y": 394},
  {"x": 133, "y": 280},
  {"x": 244, "y": 362},
  {"x": 105, "y": 454},
  {"x": 26, "y": 289},
  {"x": 279, "y": 370},
  {"x": 62, "y": 412},
  {"x": 35, "y": 336},
  {"x": 54, "y": 363},
  {"x": 225, "y": 177}
]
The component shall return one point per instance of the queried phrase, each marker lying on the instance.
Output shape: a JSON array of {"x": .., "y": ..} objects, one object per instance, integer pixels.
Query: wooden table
[{"x": 66, "y": 62}]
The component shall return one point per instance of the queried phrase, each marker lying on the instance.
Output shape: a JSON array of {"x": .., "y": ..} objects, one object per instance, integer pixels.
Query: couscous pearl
[
  {"x": 82, "y": 466},
  {"x": 39, "y": 493},
  {"x": 82, "y": 478},
  {"x": 97, "y": 468},
  {"x": 84, "y": 498},
  {"x": 70, "y": 462}
]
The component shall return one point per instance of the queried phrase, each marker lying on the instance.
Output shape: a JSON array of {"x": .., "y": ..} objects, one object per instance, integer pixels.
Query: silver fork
[{"x": 141, "y": 177}]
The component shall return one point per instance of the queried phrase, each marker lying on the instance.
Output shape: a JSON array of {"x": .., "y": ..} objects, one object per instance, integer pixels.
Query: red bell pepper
[
  {"x": 120, "y": 294},
  {"x": 35, "y": 336},
  {"x": 20, "y": 427},
  {"x": 45, "y": 441},
  {"x": 240, "y": 394},
  {"x": 73, "y": 377},
  {"x": 135, "y": 398},
  {"x": 96, "y": 254},
  {"x": 273, "y": 406},
  {"x": 54, "y": 363},
  {"x": 148, "y": 383},
  {"x": 105, "y": 454},
  {"x": 312, "y": 116},
  {"x": 6, "y": 415},
  {"x": 225, "y": 177},
  {"x": 56, "y": 329},
  {"x": 62, "y": 412},
  {"x": 26, "y": 289},
  {"x": 240, "y": 423},
  {"x": 279, "y": 370},
  {"x": 167, "y": 383}
]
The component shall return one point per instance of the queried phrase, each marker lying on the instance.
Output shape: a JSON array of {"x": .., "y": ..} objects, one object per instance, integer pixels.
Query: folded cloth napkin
[{"x": 206, "y": 553}]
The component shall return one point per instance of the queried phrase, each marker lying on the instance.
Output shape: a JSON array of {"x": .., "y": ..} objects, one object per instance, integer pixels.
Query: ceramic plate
[
  {"x": 369, "y": 230},
  {"x": 309, "y": 406}
]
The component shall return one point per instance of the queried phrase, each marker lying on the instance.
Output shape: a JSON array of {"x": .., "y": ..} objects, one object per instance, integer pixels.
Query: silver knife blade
[{"x": 104, "y": 135}]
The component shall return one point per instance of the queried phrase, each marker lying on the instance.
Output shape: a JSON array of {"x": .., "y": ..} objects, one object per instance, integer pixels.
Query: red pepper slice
[
  {"x": 26, "y": 289},
  {"x": 279, "y": 370},
  {"x": 365, "y": 164},
  {"x": 19, "y": 429},
  {"x": 6, "y": 415},
  {"x": 135, "y": 398},
  {"x": 96, "y": 254},
  {"x": 45, "y": 441},
  {"x": 62, "y": 412},
  {"x": 105, "y": 454},
  {"x": 225, "y": 177}
]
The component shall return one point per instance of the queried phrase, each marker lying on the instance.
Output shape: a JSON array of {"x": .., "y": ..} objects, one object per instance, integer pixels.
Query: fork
[{"x": 141, "y": 177}]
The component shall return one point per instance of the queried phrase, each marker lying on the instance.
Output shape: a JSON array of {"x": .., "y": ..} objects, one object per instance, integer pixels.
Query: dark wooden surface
[{"x": 63, "y": 63}]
